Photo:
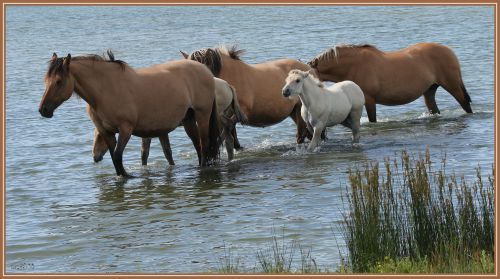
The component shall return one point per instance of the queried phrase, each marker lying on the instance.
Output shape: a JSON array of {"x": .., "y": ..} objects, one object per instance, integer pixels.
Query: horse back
[
  {"x": 351, "y": 90},
  {"x": 167, "y": 91},
  {"x": 284, "y": 65}
]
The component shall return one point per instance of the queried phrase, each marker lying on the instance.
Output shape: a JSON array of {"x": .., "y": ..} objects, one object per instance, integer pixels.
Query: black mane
[
  {"x": 55, "y": 65},
  {"x": 211, "y": 57}
]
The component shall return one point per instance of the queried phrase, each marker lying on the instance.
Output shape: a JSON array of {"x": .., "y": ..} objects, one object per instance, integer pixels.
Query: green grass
[
  {"x": 278, "y": 257},
  {"x": 228, "y": 263},
  {"x": 414, "y": 218}
]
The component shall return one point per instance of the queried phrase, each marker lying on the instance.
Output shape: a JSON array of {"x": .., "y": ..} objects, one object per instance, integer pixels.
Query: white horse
[
  {"x": 341, "y": 103},
  {"x": 229, "y": 114}
]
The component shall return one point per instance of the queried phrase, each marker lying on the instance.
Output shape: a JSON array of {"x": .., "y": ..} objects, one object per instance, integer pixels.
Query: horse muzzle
[
  {"x": 286, "y": 92},
  {"x": 46, "y": 111}
]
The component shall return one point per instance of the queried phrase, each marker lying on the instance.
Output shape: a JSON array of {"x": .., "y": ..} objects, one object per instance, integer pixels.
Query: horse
[
  {"x": 258, "y": 86},
  {"x": 395, "y": 78},
  {"x": 341, "y": 103},
  {"x": 145, "y": 102},
  {"x": 229, "y": 114}
]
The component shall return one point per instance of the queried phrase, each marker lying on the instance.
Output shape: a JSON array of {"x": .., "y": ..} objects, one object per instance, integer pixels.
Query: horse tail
[
  {"x": 240, "y": 115},
  {"x": 214, "y": 135},
  {"x": 466, "y": 94},
  {"x": 468, "y": 100}
]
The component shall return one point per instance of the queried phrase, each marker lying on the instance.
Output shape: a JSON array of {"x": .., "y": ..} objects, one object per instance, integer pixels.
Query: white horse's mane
[{"x": 305, "y": 74}]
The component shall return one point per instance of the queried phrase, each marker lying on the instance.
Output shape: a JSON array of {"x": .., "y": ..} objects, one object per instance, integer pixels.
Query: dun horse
[
  {"x": 395, "y": 78},
  {"x": 146, "y": 102},
  {"x": 258, "y": 86},
  {"x": 341, "y": 103},
  {"x": 229, "y": 113}
]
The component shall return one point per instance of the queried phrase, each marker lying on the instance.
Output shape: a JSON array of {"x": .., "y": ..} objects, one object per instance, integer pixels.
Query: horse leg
[
  {"x": 430, "y": 100},
  {"x": 227, "y": 126},
  {"x": 110, "y": 140},
  {"x": 167, "y": 151},
  {"x": 371, "y": 109},
  {"x": 192, "y": 132},
  {"x": 146, "y": 143},
  {"x": 100, "y": 147},
  {"x": 229, "y": 142},
  {"x": 351, "y": 123},
  {"x": 355, "y": 121},
  {"x": 302, "y": 131},
  {"x": 203, "y": 132},
  {"x": 123, "y": 138},
  {"x": 237, "y": 144},
  {"x": 318, "y": 129}
]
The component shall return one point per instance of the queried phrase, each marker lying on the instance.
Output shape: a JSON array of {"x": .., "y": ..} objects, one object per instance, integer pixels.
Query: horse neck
[
  {"x": 230, "y": 66},
  {"x": 341, "y": 65},
  {"x": 91, "y": 80},
  {"x": 310, "y": 92}
]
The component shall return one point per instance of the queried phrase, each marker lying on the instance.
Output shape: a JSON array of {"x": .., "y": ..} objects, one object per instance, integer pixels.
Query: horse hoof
[{"x": 126, "y": 176}]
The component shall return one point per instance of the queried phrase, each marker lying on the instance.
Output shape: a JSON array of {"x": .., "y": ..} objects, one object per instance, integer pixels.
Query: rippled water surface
[{"x": 67, "y": 214}]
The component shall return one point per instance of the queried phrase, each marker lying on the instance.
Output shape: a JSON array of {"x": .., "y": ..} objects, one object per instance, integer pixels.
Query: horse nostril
[{"x": 286, "y": 92}]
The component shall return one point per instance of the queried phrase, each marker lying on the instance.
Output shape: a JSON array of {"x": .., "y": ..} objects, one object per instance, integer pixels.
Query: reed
[{"x": 412, "y": 214}]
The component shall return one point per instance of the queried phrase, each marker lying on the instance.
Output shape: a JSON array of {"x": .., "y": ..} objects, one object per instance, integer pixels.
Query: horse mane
[
  {"x": 316, "y": 80},
  {"x": 232, "y": 51},
  {"x": 211, "y": 57},
  {"x": 55, "y": 65},
  {"x": 333, "y": 53},
  {"x": 305, "y": 74}
]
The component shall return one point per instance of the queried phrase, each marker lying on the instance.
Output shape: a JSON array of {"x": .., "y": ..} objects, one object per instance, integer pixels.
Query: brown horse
[
  {"x": 395, "y": 78},
  {"x": 229, "y": 114},
  {"x": 258, "y": 86},
  {"x": 146, "y": 102}
]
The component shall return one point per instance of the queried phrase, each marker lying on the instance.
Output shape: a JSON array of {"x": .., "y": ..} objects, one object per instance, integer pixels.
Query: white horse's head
[{"x": 294, "y": 83}]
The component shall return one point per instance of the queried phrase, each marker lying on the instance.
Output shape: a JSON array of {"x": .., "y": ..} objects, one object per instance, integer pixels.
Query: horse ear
[
  {"x": 184, "y": 54},
  {"x": 54, "y": 56},
  {"x": 67, "y": 60},
  {"x": 313, "y": 72}
]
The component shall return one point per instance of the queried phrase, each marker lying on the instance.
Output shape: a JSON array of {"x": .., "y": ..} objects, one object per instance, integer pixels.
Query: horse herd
[{"x": 212, "y": 89}]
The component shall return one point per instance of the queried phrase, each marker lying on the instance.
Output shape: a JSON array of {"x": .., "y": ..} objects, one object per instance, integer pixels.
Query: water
[{"x": 67, "y": 214}]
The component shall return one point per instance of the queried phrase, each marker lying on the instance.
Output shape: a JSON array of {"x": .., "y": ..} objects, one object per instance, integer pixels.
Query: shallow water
[{"x": 67, "y": 214}]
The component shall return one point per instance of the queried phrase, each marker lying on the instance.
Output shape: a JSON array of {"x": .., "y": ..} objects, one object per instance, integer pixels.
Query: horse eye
[
  {"x": 58, "y": 82},
  {"x": 297, "y": 80}
]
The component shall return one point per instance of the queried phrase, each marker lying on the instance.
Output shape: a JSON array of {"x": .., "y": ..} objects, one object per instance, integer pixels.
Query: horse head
[
  {"x": 294, "y": 83},
  {"x": 59, "y": 85}
]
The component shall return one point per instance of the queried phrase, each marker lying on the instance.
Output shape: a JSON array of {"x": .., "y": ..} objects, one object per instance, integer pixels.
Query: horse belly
[
  {"x": 159, "y": 122},
  {"x": 337, "y": 106},
  {"x": 401, "y": 97},
  {"x": 405, "y": 86},
  {"x": 338, "y": 116},
  {"x": 151, "y": 133},
  {"x": 262, "y": 118}
]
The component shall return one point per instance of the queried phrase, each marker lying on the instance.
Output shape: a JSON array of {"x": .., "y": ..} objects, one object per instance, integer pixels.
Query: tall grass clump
[
  {"x": 280, "y": 257},
  {"x": 415, "y": 216},
  {"x": 227, "y": 262}
]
